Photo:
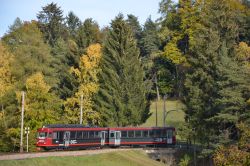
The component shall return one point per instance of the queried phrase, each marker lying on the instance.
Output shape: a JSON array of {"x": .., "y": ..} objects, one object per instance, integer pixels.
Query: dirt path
[{"x": 17, "y": 156}]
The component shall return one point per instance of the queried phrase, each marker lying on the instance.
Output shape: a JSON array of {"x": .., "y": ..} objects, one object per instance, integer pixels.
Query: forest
[{"x": 197, "y": 51}]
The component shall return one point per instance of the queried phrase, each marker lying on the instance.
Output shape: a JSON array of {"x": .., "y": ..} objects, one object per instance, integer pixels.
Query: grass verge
[{"x": 124, "y": 158}]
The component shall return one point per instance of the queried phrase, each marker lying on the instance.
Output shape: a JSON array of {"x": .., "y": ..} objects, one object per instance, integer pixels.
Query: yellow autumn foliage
[
  {"x": 36, "y": 83},
  {"x": 243, "y": 53},
  {"x": 88, "y": 86},
  {"x": 231, "y": 156},
  {"x": 5, "y": 71},
  {"x": 235, "y": 155},
  {"x": 172, "y": 53}
]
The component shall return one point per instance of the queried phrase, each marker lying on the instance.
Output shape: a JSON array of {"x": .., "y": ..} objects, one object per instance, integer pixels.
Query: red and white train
[{"x": 80, "y": 137}]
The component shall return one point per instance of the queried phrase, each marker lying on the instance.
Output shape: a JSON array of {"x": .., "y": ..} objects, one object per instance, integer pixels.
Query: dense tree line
[
  {"x": 197, "y": 51},
  {"x": 56, "y": 60},
  {"x": 205, "y": 45}
]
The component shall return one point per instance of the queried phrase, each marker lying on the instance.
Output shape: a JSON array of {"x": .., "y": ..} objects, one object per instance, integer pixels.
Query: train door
[
  {"x": 66, "y": 138},
  {"x": 169, "y": 136},
  {"x": 103, "y": 137},
  {"x": 117, "y": 138}
]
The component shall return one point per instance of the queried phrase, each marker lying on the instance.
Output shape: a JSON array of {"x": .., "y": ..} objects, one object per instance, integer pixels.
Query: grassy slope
[
  {"x": 173, "y": 118},
  {"x": 125, "y": 158}
]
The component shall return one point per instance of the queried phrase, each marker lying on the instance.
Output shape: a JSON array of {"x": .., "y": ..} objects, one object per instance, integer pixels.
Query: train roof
[
  {"x": 84, "y": 126},
  {"x": 67, "y": 126}
]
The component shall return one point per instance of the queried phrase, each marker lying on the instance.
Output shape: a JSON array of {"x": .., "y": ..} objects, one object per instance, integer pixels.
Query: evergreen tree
[
  {"x": 121, "y": 99},
  {"x": 51, "y": 22},
  {"x": 88, "y": 33},
  {"x": 216, "y": 83},
  {"x": 65, "y": 55},
  {"x": 73, "y": 24},
  {"x": 150, "y": 41},
  {"x": 134, "y": 24},
  {"x": 17, "y": 24},
  {"x": 149, "y": 44}
]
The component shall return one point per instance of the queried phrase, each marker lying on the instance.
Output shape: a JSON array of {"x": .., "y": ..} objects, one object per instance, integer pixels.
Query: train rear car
[{"x": 142, "y": 136}]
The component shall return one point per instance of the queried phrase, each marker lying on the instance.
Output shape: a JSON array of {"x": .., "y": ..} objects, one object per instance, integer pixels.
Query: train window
[
  {"x": 112, "y": 135},
  {"x": 42, "y": 135},
  {"x": 164, "y": 133},
  {"x": 145, "y": 133},
  {"x": 124, "y": 134},
  {"x": 49, "y": 135},
  {"x": 151, "y": 133},
  {"x": 97, "y": 134},
  {"x": 79, "y": 135},
  {"x": 91, "y": 134},
  {"x": 54, "y": 135},
  {"x": 72, "y": 134},
  {"x": 157, "y": 133},
  {"x": 131, "y": 134},
  {"x": 137, "y": 133},
  {"x": 85, "y": 135},
  {"x": 60, "y": 135}
]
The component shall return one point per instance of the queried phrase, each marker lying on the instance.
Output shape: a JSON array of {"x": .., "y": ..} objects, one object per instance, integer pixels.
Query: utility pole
[
  {"x": 27, "y": 131},
  {"x": 164, "y": 110},
  {"x": 156, "y": 117},
  {"x": 157, "y": 89},
  {"x": 194, "y": 148},
  {"x": 81, "y": 109},
  {"x": 22, "y": 113},
  {"x": 157, "y": 99}
]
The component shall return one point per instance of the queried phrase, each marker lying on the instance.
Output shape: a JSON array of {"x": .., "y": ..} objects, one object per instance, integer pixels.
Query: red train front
[
  {"x": 78, "y": 136},
  {"x": 44, "y": 138}
]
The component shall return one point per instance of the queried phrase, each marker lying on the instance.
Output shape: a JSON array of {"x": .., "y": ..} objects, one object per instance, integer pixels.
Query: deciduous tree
[{"x": 88, "y": 81}]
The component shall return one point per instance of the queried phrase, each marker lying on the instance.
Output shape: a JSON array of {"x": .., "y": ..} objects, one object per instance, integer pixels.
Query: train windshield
[{"x": 41, "y": 135}]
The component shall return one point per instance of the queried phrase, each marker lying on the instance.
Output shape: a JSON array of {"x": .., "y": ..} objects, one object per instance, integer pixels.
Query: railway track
[{"x": 19, "y": 156}]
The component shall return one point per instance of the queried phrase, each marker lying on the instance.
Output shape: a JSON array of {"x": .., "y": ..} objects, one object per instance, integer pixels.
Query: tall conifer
[{"x": 121, "y": 98}]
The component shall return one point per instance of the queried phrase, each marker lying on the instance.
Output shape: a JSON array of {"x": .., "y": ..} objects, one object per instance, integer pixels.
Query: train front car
[
  {"x": 142, "y": 136},
  {"x": 44, "y": 138},
  {"x": 71, "y": 136}
]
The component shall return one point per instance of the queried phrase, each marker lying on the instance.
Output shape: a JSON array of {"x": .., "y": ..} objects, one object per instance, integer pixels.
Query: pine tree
[
  {"x": 51, "y": 22},
  {"x": 134, "y": 24},
  {"x": 73, "y": 24},
  {"x": 65, "y": 55},
  {"x": 121, "y": 98},
  {"x": 150, "y": 41},
  {"x": 87, "y": 34},
  {"x": 17, "y": 24}
]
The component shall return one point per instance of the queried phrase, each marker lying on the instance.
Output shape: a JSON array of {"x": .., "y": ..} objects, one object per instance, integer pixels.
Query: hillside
[{"x": 173, "y": 118}]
